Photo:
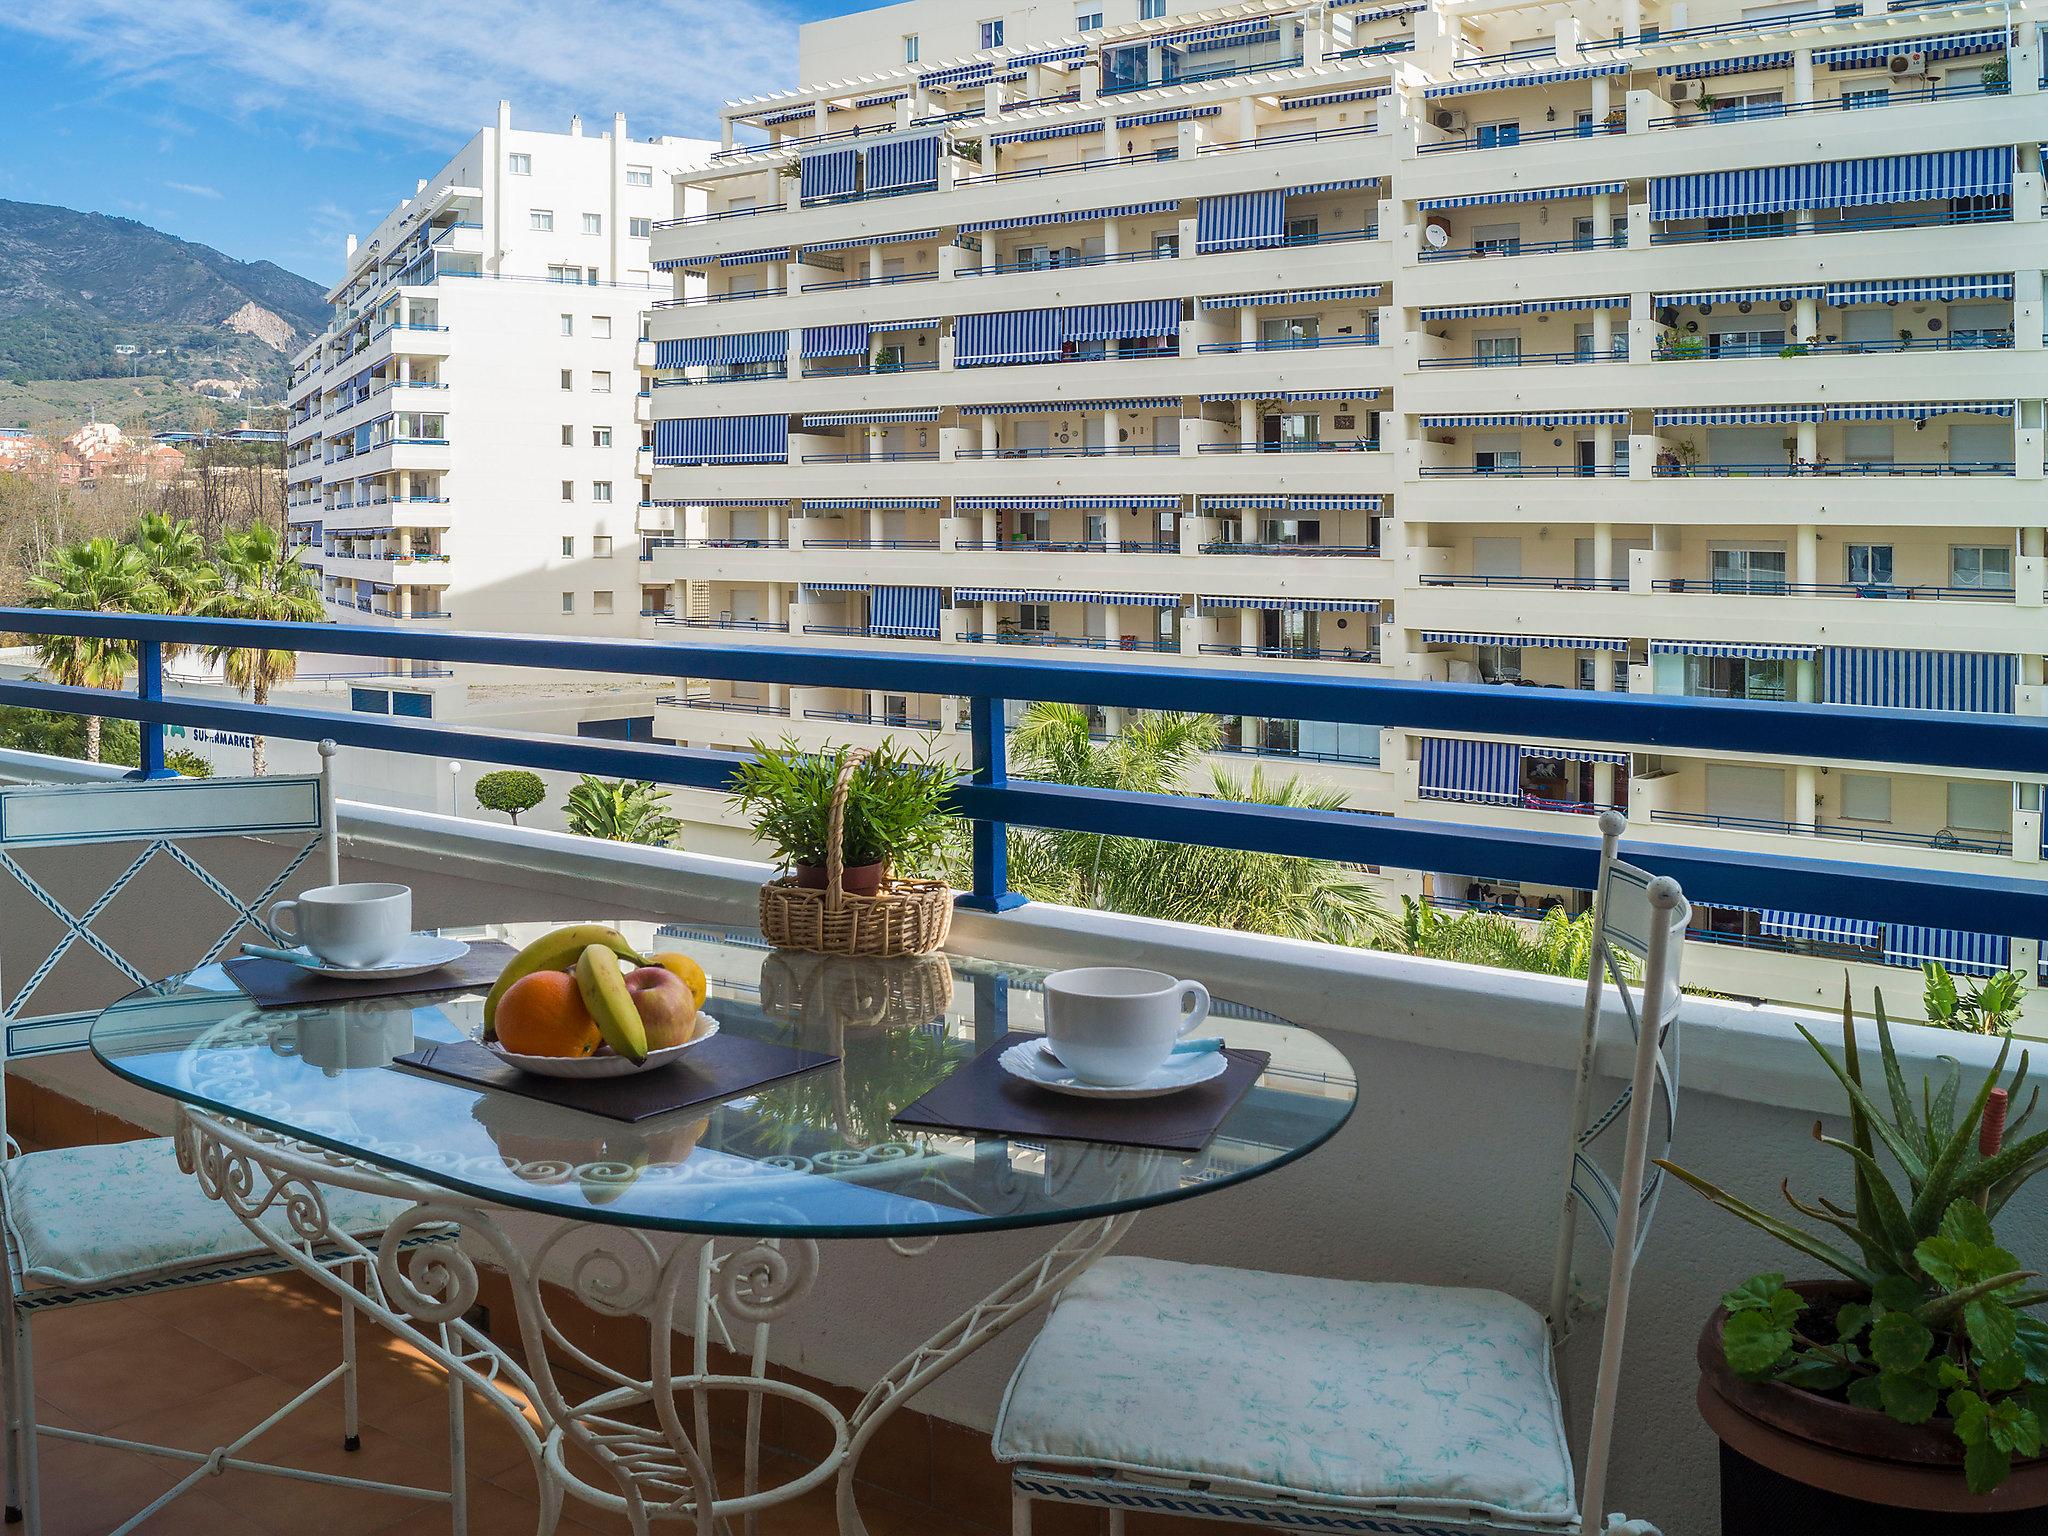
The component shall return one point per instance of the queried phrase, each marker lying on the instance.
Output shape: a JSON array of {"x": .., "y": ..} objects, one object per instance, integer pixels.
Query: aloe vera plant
[{"x": 1943, "y": 1322}]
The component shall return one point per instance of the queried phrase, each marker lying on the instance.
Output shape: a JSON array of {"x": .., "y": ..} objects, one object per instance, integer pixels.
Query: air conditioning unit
[
  {"x": 1903, "y": 65},
  {"x": 1684, "y": 91},
  {"x": 1447, "y": 120}
]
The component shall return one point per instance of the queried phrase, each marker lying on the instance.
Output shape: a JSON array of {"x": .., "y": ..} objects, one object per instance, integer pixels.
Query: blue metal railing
[{"x": 1927, "y": 740}]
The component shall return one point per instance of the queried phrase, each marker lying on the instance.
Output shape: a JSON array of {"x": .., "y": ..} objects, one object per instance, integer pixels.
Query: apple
[{"x": 667, "y": 1006}]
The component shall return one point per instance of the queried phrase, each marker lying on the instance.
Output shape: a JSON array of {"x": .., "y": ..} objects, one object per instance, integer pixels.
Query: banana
[
  {"x": 603, "y": 986},
  {"x": 555, "y": 951}
]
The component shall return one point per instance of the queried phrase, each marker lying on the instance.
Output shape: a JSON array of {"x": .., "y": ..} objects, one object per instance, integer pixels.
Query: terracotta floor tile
[
  {"x": 121, "y": 1381},
  {"x": 280, "y": 1504},
  {"x": 62, "y": 1332},
  {"x": 204, "y": 1421},
  {"x": 492, "y": 1444},
  {"x": 87, "y": 1490}
]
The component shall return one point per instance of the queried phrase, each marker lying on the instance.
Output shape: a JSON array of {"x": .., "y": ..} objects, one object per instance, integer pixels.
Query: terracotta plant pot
[
  {"x": 1843, "y": 1462},
  {"x": 857, "y": 880}
]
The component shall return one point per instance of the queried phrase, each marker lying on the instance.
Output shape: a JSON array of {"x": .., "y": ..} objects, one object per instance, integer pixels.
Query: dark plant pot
[
  {"x": 1792, "y": 1460},
  {"x": 855, "y": 880}
]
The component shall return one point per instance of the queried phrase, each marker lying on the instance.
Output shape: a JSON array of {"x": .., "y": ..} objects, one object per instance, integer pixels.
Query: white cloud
[
  {"x": 192, "y": 189},
  {"x": 433, "y": 68}
]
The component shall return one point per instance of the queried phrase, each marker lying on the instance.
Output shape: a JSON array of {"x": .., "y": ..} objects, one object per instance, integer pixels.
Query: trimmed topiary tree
[{"x": 510, "y": 790}]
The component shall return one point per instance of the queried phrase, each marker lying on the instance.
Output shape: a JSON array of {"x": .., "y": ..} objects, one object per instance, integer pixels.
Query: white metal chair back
[
  {"x": 162, "y": 816},
  {"x": 1642, "y": 917}
]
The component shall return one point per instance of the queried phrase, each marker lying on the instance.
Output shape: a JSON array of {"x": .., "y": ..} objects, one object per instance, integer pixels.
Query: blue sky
[{"x": 272, "y": 128}]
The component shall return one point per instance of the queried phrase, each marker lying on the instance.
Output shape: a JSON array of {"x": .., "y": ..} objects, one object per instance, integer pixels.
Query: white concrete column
[
  {"x": 874, "y": 263},
  {"x": 1247, "y": 327},
  {"x": 1602, "y": 99},
  {"x": 874, "y": 522},
  {"x": 1248, "y": 629},
  {"x": 1603, "y": 332},
  {"x": 1603, "y": 550},
  {"x": 1802, "y": 76},
  {"x": 1108, "y": 432},
  {"x": 988, "y": 618},
  {"x": 1603, "y": 451},
  {"x": 1805, "y": 318},
  {"x": 1248, "y": 116},
  {"x": 1247, "y": 422},
  {"x": 1112, "y": 239},
  {"x": 1603, "y": 218},
  {"x": 1642, "y": 325},
  {"x": 1806, "y": 554},
  {"x": 989, "y": 430},
  {"x": 1112, "y": 625},
  {"x": 1805, "y": 787},
  {"x": 1112, "y": 527},
  {"x": 819, "y": 113}
]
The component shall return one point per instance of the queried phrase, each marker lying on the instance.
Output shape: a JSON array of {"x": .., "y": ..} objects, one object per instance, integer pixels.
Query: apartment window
[
  {"x": 1499, "y": 663},
  {"x": 568, "y": 325},
  {"x": 561, "y": 274},
  {"x": 639, "y": 175},
  {"x": 519, "y": 165},
  {"x": 910, "y": 47},
  {"x": 1870, "y": 565},
  {"x": 540, "y": 218},
  {"x": 1866, "y": 797},
  {"x": 600, "y": 437},
  {"x": 568, "y": 602},
  {"x": 600, "y": 381},
  {"x": 568, "y": 490},
  {"x": 1747, "y": 570},
  {"x": 601, "y": 327},
  {"x": 639, "y": 229},
  {"x": 1151, "y": 10},
  {"x": 1980, "y": 565},
  {"x": 1499, "y": 135},
  {"x": 593, "y": 223},
  {"x": 568, "y": 547},
  {"x": 1088, "y": 19},
  {"x": 600, "y": 602},
  {"x": 992, "y": 34},
  {"x": 568, "y": 435},
  {"x": 600, "y": 490},
  {"x": 1974, "y": 807},
  {"x": 601, "y": 546},
  {"x": 568, "y": 378},
  {"x": 1856, "y": 101},
  {"x": 1034, "y": 618}
]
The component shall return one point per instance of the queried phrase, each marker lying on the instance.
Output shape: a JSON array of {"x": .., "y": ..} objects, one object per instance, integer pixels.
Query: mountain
[{"x": 75, "y": 286}]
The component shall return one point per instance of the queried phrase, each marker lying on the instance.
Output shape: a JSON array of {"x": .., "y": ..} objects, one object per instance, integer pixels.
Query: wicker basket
[{"x": 904, "y": 917}]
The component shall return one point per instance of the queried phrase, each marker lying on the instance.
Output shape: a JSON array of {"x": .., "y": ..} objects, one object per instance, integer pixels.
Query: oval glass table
[{"x": 281, "y": 1107}]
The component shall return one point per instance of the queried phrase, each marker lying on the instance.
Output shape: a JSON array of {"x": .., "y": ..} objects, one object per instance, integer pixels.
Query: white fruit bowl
[{"x": 605, "y": 1063}]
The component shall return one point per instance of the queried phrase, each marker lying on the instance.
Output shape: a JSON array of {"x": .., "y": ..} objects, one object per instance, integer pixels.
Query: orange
[{"x": 543, "y": 1015}]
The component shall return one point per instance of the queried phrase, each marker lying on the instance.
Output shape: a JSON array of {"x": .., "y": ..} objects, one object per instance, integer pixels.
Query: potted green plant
[
  {"x": 1987, "y": 1007},
  {"x": 1917, "y": 1377},
  {"x": 893, "y": 816}
]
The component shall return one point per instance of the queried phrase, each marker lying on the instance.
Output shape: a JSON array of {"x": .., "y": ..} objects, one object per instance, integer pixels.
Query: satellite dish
[{"x": 1435, "y": 236}]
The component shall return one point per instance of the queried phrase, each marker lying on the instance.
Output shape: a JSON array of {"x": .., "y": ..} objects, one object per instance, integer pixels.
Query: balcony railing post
[
  {"x": 149, "y": 687},
  {"x": 991, "y": 839}
]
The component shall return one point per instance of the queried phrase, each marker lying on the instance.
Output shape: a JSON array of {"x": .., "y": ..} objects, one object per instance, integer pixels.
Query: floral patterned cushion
[
  {"x": 1403, "y": 1395},
  {"x": 91, "y": 1215}
]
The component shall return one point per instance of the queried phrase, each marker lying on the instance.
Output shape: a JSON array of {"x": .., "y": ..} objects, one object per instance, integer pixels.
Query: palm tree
[
  {"x": 176, "y": 557},
  {"x": 260, "y": 579},
  {"x": 1557, "y": 945},
  {"x": 95, "y": 576},
  {"x": 622, "y": 811},
  {"x": 1217, "y": 887}
]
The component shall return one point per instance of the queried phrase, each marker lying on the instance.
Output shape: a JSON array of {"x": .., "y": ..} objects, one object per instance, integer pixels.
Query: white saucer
[
  {"x": 1035, "y": 1064},
  {"x": 604, "y": 1063},
  {"x": 421, "y": 953}
]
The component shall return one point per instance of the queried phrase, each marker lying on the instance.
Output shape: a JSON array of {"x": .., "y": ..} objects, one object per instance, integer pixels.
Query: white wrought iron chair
[
  {"x": 103, "y": 1222},
  {"x": 1327, "y": 1405}
]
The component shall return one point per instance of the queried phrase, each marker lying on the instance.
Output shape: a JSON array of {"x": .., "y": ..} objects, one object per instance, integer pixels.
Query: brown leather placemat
[
  {"x": 982, "y": 1097},
  {"x": 280, "y": 984},
  {"x": 721, "y": 1068}
]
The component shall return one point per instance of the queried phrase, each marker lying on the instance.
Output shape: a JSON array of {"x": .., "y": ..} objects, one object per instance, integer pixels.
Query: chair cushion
[
  {"x": 1402, "y": 1395},
  {"x": 84, "y": 1216}
]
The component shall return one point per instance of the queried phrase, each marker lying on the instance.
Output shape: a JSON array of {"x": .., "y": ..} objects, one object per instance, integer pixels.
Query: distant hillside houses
[{"x": 97, "y": 451}]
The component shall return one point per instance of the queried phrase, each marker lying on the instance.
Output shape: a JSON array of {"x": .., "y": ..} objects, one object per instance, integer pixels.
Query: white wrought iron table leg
[
  {"x": 1017, "y": 1298},
  {"x": 21, "y": 1384}
]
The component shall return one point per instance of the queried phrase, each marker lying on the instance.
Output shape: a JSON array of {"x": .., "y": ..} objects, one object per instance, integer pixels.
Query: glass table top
[{"x": 814, "y": 1155}]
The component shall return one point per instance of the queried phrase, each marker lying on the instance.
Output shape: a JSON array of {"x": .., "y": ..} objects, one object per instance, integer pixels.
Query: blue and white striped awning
[
  {"x": 912, "y": 612},
  {"x": 1707, "y": 296},
  {"x": 1030, "y": 595},
  {"x": 871, "y": 418},
  {"x": 721, "y": 501},
  {"x": 1228, "y": 29},
  {"x": 879, "y": 101},
  {"x": 828, "y": 173},
  {"x": 1920, "y": 410},
  {"x": 1061, "y": 407},
  {"x": 1965, "y": 682},
  {"x": 722, "y": 440},
  {"x": 1604, "y": 418},
  {"x": 1177, "y": 115},
  {"x": 1818, "y": 927},
  {"x": 1011, "y": 336},
  {"x": 1334, "y": 501},
  {"x": 1576, "y": 754},
  {"x": 1297, "y": 604},
  {"x": 1270, "y": 33},
  {"x": 837, "y": 586},
  {"x": 1922, "y": 290},
  {"x": 1540, "y": 77},
  {"x": 835, "y": 341},
  {"x": 1526, "y": 307},
  {"x": 928, "y": 323},
  {"x": 754, "y": 347},
  {"x": 1834, "y": 184},
  {"x": 1733, "y": 650},
  {"x": 1742, "y": 64},
  {"x": 1471, "y": 770},
  {"x": 1241, "y": 221},
  {"x": 958, "y": 74},
  {"x": 1070, "y": 54},
  {"x": 1382, "y": 14},
  {"x": 1071, "y": 216},
  {"x": 907, "y": 237},
  {"x": 1291, "y": 394},
  {"x": 871, "y": 504},
  {"x": 1148, "y": 503},
  {"x": 1334, "y": 98},
  {"x": 1352, "y": 184},
  {"x": 1956, "y": 45},
  {"x": 1539, "y": 642},
  {"x": 1738, "y": 415},
  {"x": 1523, "y": 195},
  {"x": 1292, "y": 296},
  {"x": 1120, "y": 322},
  {"x": 755, "y": 258},
  {"x": 1966, "y": 954},
  {"x": 1050, "y": 131},
  {"x": 900, "y": 165}
]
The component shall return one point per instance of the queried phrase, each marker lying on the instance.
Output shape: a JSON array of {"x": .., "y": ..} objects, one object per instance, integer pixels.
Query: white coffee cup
[
  {"x": 1114, "y": 1025},
  {"x": 360, "y": 924}
]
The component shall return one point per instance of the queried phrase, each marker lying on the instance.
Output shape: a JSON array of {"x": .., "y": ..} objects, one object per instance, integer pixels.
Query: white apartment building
[
  {"x": 1615, "y": 344},
  {"x": 469, "y": 440}
]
